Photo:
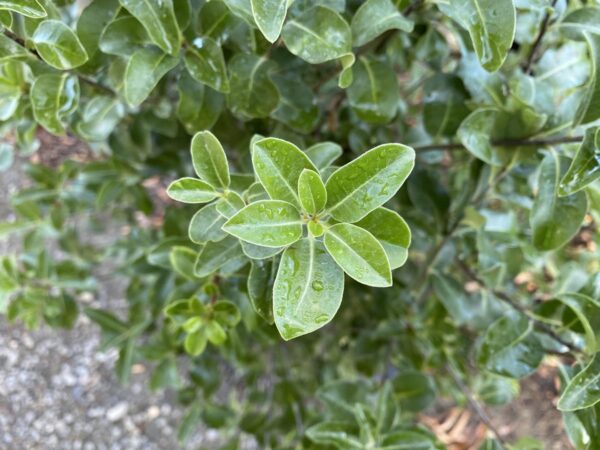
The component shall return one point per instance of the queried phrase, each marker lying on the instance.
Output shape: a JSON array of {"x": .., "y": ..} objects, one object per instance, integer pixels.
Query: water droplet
[{"x": 317, "y": 285}]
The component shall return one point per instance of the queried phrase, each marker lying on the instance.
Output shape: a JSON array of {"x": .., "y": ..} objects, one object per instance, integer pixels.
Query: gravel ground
[{"x": 58, "y": 392}]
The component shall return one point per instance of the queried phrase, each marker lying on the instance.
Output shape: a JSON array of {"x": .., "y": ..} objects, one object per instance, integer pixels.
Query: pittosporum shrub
[{"x": 373, "y": 205}]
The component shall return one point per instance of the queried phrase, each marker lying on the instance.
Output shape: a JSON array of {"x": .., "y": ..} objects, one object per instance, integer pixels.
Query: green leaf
[
  {"x": 415, "y": 391},
  {"x": 260, "y": 287},
  {"x": 123, "y": 37},
  {"x": 6, "y": 157},
  {"x": 278, "y": 165},
  {"x": 229, "y": 204},
  {"x": 205, "y": 63},
  {"x": 144, "y": 70},
  {"x": 254, "y": 251},
  {"x": 269, "y": 16},
  {"x": 199, "y": 106},
  {"x": 14, "y": 76},
  {"x": 360, "y": 255},
  {"x": 252, "y": 93},
  {"x": 491, "y": 25},
  {"x": 585, "y": 168},
  {"x": 375, "y": 17},
  {"x": 297, "y": 107},
  {"x": 209, "y": 160},
  {"x": 92, "y": 21},
  {"x": 195, "y": 343},
  {"x": 191, "y": 190},
  {"x": 54, "y": 97},
  {"x": 311, "y": 192},
  {"x": 510, "y": 348},
  {"x": 29, "y": 8},
  {"x": 215, "y": 333},
  {"x": 226, "y": 313},
  {"x": 318, "y": 35},
  {"x": 368, "y": 182},
  {"x": 58, "y": 45},
  {"x": 9, "y": 49},
  {"x": 216, "y": 254},
  {"x": 555, "y": 220},
  {"x": 99, "y": 118},
  {"x": 374, "y": 95},
  {"x": 324, "y": 154},
  {"x": 391, "y": 231},
  {"x": 444, "y": 105},
  {"x": 475, "y": 133},
  {"x": 336, "y": 433},
  {"x": 183, "y": 259},
  {"x": 589, "y": 108},
  {"x": 583, "y": 391},
  {"x": 308, "y": 289},
  {"x": 206, "y": 225},
  {"x": 269, "y": 223},
  {"x": 581, "y": 21},
  {"x": 158, "y": 18}
]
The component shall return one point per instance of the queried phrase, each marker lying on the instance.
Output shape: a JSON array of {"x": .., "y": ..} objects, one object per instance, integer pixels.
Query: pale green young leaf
[
  {"x": 491, "y": 25},
  {"x": 54, "y": 97},
  {"x": 205, "y": 63},
  {"x": 359, "y": 254},
  {"x": 123, "y": 37},
  {"x": 215, "y": 333},
  {"x": 191, "y": 190},
  {"x": 555, "y": 220},
  {"x": 369, "y": 181},
  {"x": 215, "y": 255},
  {"x": 226, "y": 313},
  {"x": 278, "y": 165},
  {"x": 311, "y": 192},
  {"x": 316, "y": 229},
  {"x": 318, "y": 35},
  {"x": 29, "y": 8},
  {"x": 269, "y": 16},
  {"x": 585, "y": 168},
  {"x": 374, "y": 95},
  {"x": 206, "y": 225},
  {"x": 260, "y": 287},
  {"x": 183, "y": 260},
  {"x": 144, "y": 70},
  {"x": 510, "y": 348},
  {"x": 308, "y": 289},
  {"x": 324, "y": 154},
  {"x": 195, "y": 343},
  {"x": 158, "y": 18},
  {"x": 375, "y": 17},
  {"x": 259, "y": 252},
  {"x": 269, "y": 223},
  {"x": 583, "y": 391},
  {"x": 252, "y": 93},
  {"x": 229, "y": 204},
  {"x": 209, "y": 159},
  {"x": 58, "y": 45},
  {"x": 391, "y": 231}
]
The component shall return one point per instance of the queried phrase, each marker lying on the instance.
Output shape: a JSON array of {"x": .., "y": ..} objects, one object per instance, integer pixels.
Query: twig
[
  {"x": 503, "y": 296},
  {"x": 538, "y": 40},
  {"x": 475, "y": 404},
  {"x": 504, "y": 143}
]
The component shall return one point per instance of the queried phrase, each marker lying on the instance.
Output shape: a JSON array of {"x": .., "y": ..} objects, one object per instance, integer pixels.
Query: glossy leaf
[
  {"x": 123, "y": 36},
  {"x": 252, "y": 93},
  {"x": 589, "y": 108},
  {"x": 144, "y": 70},
  {"x": 308, "y": 289},
  {"x": 375, "y": 17},
  {"x": 318, "y": 35},
  {"x": 510, "y": 348},
  {"x": 583, "y": 390},
  {"x": 58, "y": 45},
  {"x": 475, "y": 133},
  {"x": 260, "y": 288},
  {"x": 585, "y": 168},
  {"x": 14, "y": 76},
  {"x": 92, "y": 22},
  {"x": 491, "y": 25},
  {"x": 259, "y": 252},
  {"x": 158, "y": 18},
  {"x": 54, "y": 97},
  {"x": 444, "y": 104},
  {"x": 209, "y": 160},
  {"x": 199, "y": 106},
  {"x": 555, "y": 220},
  {"x": 191, "y": 190},
  {"x": 229, "y": 204},
  {"x": 269, "y": 16},
  {"x": 311, "y": 192},
  {"x": 29, "y": 8},
  {"x": 368, "y": 182},
  {"x": 324, "y": 154},
  {"x": 374, "y": 95},
  {"x": 278, "y": 165},
  {"x": 206, "y": 225},
  {"x": 205, "y": 63},
  {"x": 269, "y": 223},
  {"x": 215, "y": 255},
  {"x": 391, "y": 231},
  {"x": 297, "y": 107},
  {"x": 360, "y": 255}
]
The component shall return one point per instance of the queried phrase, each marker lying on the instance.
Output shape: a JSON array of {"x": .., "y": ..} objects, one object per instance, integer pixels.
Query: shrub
[{"x": 281, "y": 257}]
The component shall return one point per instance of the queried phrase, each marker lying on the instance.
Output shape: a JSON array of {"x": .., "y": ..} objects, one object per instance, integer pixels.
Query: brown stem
[
  {"x": 538, "y": 40},
  {"x": 504, "y": 143},
  {"x": 503, "y": 296}
]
